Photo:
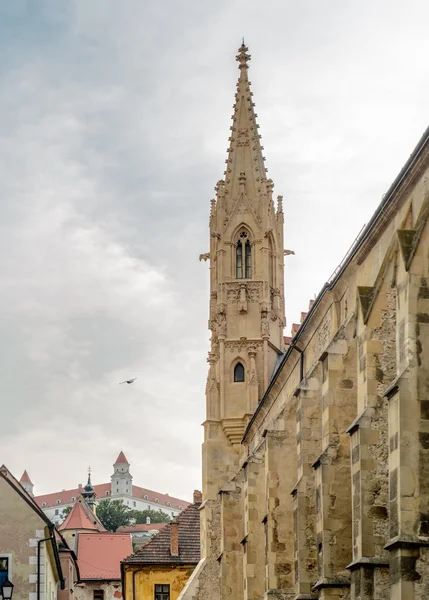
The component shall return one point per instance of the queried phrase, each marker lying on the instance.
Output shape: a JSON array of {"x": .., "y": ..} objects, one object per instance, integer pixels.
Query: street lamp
[{"x": 7, "y": 590}]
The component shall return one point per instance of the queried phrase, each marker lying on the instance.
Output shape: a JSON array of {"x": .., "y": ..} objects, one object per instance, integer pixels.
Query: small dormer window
[
  {"x": 107, "y": 493},
  {"x": 145, "y": 496},
  {"x": 168, "y": 503},
  {"x": 73, "y": 499},
  {"x": 180, "y": 506},
  {"x": 58, "y": 501},
  {"x": 156, "y": 500},
  {"x": 43, "y": 504}
]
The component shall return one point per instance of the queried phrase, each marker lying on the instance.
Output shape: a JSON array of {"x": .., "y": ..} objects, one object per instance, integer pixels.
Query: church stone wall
[{"x": 316, "y": 479}]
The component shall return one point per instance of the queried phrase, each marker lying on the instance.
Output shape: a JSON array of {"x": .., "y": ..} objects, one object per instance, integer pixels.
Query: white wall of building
[{"x": 54, "y": 512}]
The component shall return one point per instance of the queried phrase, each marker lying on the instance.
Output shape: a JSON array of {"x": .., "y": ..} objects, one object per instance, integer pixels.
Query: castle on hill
[{"x": 120, "y": 487}]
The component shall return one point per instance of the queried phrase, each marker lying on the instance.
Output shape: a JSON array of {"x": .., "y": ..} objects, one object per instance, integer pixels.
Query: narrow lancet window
[
  {"x": 243, "y": 257},
  {"x": 238, "y": 373},
  {"x": 239, "y": 260},
  {"x": 248, "y": 257}
]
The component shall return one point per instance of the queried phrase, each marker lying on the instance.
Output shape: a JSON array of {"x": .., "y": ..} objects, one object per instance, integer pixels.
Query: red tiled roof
[
  {"x": 140, "y": 527},
  {"x": 99, "y": 556},
  {"x": 121, "y": 459},
  {"x": 78, "y": 519},
  {"x": 100, "y": 490},
  {"x": 288, "y": 340},
  {"x": 25, "y": 478},
  {"x": 157, "y": 551}
]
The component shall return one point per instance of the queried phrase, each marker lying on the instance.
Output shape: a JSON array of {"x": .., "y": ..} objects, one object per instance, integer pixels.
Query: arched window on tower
[
  {"x": 243, "y": 257},
  {"x": 238, "y": 373}
]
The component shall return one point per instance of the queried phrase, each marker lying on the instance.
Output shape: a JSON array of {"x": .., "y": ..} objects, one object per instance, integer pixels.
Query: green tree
[
  {"x": 65, "y": 513},
  {"x": 114, "y": 514},
  {"x": 156, "y": 516}
]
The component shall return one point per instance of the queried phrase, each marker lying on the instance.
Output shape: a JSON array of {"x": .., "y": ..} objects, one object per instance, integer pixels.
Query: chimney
[
  {"x": 198, "y": 497},
  {"x": 147, "y": 520},
  {"x": 174, "y": 538}
]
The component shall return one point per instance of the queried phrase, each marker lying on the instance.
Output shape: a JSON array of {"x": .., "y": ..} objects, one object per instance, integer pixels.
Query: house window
[
  {"x": 243, "y": 257},
  {"x": 134, "y": 503},
  {"x": 4, "y": 569},
  {"x": 98, "y": 594},
  {"x": 162, "y": 592},
  {"x": 238, "y": 373},
  {"x": 57, "y": 511}
]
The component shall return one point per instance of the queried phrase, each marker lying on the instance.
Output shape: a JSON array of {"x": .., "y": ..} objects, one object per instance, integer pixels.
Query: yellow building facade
[
  {"x": 143, "y": 583},
  {"x": 315, "y": 477},
  {"x": 160, "y": 570}
]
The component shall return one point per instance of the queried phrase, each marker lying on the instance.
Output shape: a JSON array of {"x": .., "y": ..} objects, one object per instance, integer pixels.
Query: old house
[
  {"x": 99, "y": 552},
  {"x": 99, "y": 558},
  {"x": 161, "y": 569},
  {"x": 316, "y": 447},
  {"x": 81, "y": 519},
  {"x": 33, "y": 554}
]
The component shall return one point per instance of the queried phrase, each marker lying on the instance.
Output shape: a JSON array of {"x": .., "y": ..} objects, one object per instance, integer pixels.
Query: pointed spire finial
[{"x": 243, "y": 57}]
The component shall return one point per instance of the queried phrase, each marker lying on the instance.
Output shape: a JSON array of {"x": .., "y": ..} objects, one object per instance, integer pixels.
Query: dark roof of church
[{"x": 157, "y": 551}]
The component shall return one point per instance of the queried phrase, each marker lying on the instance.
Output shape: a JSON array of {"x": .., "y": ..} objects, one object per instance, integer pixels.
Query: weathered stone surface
[{"x": 316, "y": 466}]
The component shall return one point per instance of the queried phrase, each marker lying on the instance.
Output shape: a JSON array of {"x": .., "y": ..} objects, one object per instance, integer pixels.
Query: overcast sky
[{"x": 113, "y": 132}]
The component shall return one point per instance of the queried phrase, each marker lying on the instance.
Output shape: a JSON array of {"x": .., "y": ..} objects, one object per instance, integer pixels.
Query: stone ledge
[
  {"x": 279, "y": 594},
  {"x": 368, "y": 561},
  {"x": 404, "y": 541},
  {"x": 332, "y": 582},
  {"x": 306, "y": 597}
]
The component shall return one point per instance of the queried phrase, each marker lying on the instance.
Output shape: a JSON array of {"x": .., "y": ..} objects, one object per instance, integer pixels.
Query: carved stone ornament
[
  {"x": 252, "y": 379},
  {"x": 212, "y": 384},
  {"x": 242, "y": 208},
  {"x": 233, "y": 291},
  {"x": 324, "y": 332},
  {"x": 238, "y": 346},
  {"x": 205, "y": 256},
  {"x": 242, "y": 304},
  {"x": 265, "y": 327},
  {"x": 243, "y": 137}
]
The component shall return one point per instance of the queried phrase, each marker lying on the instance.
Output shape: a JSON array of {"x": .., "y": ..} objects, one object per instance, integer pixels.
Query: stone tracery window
[{"x": 243, "y": 257}]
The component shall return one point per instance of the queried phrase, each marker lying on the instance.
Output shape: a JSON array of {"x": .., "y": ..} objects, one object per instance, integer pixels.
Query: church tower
[{"x": 247, "y": 315}]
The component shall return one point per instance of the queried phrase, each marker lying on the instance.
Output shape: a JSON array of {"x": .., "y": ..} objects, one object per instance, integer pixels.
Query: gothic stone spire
[{"x": 245, "y": 169}]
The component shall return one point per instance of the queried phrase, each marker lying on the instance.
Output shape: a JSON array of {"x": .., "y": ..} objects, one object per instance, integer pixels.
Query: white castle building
[{"x": 120, "y": 488}]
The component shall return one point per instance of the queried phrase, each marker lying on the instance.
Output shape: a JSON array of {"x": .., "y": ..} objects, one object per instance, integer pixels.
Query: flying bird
[{"x": 128, "y": 381}]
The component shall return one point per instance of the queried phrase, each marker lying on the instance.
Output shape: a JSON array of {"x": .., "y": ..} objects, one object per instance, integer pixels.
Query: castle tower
[
  {"x": 26, "y": 483},
  {"x": 121, "y": 480},
  {"x": 247, "y": 314}
]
